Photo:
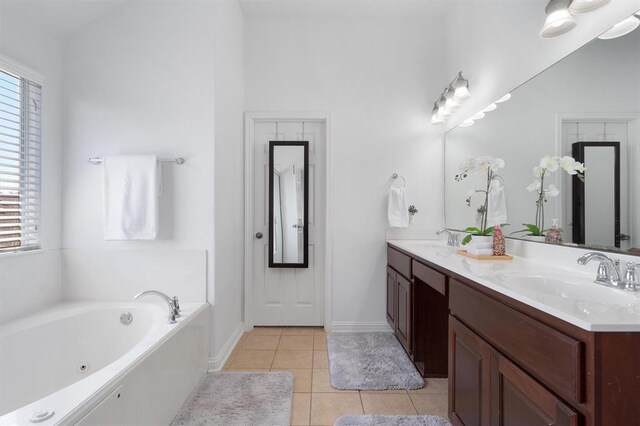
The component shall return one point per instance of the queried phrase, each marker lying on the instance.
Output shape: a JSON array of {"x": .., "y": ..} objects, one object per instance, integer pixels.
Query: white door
[{"x": 288, "y": 296}]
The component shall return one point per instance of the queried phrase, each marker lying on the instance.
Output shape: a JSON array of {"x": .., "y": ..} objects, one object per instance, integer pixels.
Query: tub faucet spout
[{"x": 172, "y": 302}]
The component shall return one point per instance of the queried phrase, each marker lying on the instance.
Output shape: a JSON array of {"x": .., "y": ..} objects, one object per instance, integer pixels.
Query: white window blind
[{"x": 20, "y": 162}]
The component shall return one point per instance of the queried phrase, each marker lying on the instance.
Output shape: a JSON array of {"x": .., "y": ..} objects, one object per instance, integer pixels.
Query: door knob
[{"x": 259, "y": 235}]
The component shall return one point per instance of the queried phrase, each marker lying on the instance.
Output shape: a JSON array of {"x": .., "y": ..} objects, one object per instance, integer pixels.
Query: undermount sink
[{"x": 541, "y": 285}]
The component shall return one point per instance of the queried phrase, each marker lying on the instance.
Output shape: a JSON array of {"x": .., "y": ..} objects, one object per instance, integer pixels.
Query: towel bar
[{"x": 178, "y": 160}]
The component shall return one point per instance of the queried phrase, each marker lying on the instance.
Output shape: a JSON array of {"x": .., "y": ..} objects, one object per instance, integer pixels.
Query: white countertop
[{"x": 566, "y": 293}]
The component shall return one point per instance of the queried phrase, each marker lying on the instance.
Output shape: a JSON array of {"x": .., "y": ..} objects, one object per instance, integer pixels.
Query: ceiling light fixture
[
  {"x": 450, "y": 100},
  {"x": 584, "y": 6},
  {"x": 504, "y": 98},
  {"x": 621, "y": 28},
  {"x": 558, "y": 20}
]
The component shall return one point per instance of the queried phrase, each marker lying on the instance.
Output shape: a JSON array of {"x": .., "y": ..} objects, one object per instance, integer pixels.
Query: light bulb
[
  {"x": 558, "y": 20},
  {"x": 584, "y": 6}
]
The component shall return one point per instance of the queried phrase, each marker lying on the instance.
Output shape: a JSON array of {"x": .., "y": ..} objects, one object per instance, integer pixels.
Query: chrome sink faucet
[
  {"x": 609, "y": 271},
  {"x": 452, "y": 239},
  {"x": 172, "y": 302}
]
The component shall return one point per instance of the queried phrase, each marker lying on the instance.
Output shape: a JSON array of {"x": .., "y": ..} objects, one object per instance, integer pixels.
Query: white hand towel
[
  {"x": 497, "y": 208},
  {"x": 130, "y": 197},
  {"x": 398, "y": 208}
]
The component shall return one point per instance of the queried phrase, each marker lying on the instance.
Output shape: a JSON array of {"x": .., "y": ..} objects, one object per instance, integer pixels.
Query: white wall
[
  {"x": 229, "y": 166},
  {"x": 496, "y": 44},
  {"x": 141, "y": 80},
  {"x": 376, "y": 77},
  {"x": 31, "y": 281}
]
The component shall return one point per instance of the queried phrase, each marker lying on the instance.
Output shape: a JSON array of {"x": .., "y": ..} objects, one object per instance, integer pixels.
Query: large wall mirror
[
  {"x": 585, "y": 107},
  {"x": 288, "y": 204}
]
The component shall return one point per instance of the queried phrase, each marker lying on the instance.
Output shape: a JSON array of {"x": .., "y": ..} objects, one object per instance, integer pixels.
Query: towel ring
[{"x": 395, "y": 176}]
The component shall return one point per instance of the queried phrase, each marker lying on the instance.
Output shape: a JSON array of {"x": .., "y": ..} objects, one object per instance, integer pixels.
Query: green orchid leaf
[{"x": 466, "y": 240}]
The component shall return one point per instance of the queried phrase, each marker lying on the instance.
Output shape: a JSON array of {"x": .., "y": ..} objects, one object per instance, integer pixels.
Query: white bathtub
[{"x": 81, "y": 362}]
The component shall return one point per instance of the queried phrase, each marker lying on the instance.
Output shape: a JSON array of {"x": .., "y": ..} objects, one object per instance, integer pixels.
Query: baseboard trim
[
  {"x": 217, "y": 362},
  {"x": 360, "y": 326}
]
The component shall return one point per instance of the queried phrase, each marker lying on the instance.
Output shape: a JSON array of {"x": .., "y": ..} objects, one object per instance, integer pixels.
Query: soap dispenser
[
  {"x": 554, "y": 236},
  {"x": 498, "y": 242}
]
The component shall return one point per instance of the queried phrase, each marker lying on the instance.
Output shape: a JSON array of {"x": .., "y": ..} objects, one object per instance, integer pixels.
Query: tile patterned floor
[{"x": 303, "y": 352}]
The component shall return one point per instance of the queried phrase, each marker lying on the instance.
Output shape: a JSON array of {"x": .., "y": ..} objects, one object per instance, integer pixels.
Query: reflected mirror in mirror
[
  {"x": 585, "y": 107},
  {"x": 288, "y": 204}
]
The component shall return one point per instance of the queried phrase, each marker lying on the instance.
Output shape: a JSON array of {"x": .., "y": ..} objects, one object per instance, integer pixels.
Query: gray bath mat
[
  {"x": 237, "y": 398},
  {"x": 392, "y": 421},
  {"x": 370, "y": 361}
]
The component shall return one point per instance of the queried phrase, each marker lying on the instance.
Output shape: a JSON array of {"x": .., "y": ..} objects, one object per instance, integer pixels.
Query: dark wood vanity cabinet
[
  {"x": 511, "y": 364},
  {"x": 417, "y": 311}
]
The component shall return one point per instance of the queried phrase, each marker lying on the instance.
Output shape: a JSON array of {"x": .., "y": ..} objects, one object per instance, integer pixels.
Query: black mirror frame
[{"x": 305, "y": 229}]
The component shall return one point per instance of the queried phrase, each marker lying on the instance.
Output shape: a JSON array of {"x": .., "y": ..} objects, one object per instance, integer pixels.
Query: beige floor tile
[
  {"x": 436, "y": 404},
  {"x": 264, "y": 370},
  {"x": 301, "y": 378},
  {"x": 256, "y": 341},
  {"x": 293, "y": 359},
  {"x": 296, "y": 343},
  {"x": 265, "y": 331},
  {"x": 327, "y": 407},
  {"x": 299, "y": 331},
  {"x": 320, "y": 359},
  {"x": 385, "y": 392},
  {"x": 433, "y": 386},
  {"x": 252, "y": 359},
  {"x": 300, "y": 409},
  {"x": 322, "y": 384},
  {"x": 319, "y": 342},
  {"x": 390, "y": 404},
  {"x": 319, "y": 331}
]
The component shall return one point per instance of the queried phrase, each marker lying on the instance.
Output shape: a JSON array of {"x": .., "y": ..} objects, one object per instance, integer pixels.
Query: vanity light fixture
[
  {"x": 467, "y": 123},
  {"x": 450, "y": 100},
  {"x": 478, "y": 115},
  {"x": 621, "y": 28},
  {"x": 504, "y": 98},
  {"x": 584, "y": 6},
  {"x": 559, "y": 20}
]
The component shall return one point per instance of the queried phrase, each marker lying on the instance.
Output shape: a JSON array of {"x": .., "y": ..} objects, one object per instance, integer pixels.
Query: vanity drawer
[
  {"x": 399, "y": 261},
  {"x": 431, "y": 277},
  {"x": 554, "y": 358}
]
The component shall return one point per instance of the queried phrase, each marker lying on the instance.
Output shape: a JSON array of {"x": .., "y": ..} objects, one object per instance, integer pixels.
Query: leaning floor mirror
[{"x": 288, "y": 204}]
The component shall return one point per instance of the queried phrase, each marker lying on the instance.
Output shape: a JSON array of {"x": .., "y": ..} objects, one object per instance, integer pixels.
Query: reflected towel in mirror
[{"x": 497, "y": 208}]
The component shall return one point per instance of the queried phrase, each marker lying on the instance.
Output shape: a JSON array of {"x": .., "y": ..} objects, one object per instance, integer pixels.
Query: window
[{"x": 20, "y": 162}]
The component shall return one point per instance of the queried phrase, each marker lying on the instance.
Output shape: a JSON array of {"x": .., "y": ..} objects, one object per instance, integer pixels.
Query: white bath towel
[
  {"x": 130, "y": 197},
  {"x": 398, "y": 208},
  {"x": 497, "y": 208}
]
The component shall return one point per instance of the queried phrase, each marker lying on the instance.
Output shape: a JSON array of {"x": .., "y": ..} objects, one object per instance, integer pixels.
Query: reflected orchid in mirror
[
  {"x": 549, "y": 164},
  {"x": 488, "y": 167}
]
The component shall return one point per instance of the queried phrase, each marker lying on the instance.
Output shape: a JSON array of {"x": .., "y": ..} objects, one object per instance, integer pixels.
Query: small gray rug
[
  {"x": 370, "y": 361},
  {"x": 392, "y": 421},
  {"x": 238, "y": 398}
]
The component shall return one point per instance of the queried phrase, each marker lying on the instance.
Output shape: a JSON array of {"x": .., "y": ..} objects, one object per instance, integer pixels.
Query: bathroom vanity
[{"x": 524, "y": 348}]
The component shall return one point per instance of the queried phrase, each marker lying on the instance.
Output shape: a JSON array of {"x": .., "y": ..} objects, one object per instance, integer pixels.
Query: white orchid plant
[
  {"x": 547, "y": 165},
  {"x": 486, "y": 166}
]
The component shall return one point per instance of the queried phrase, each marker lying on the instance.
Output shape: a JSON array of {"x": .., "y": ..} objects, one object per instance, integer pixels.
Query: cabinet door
[
  {"x": 469, "y": 376},
  {"x": 522, "y": 401},
  {"x": 403, "y": 319},
  {"x": 391, "y": 297}
]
